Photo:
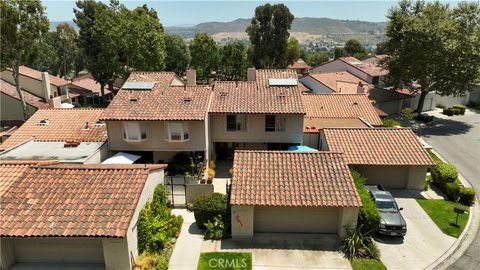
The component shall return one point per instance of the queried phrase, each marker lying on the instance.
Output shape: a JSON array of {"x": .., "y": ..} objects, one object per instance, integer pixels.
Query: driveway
[
  {"x": 422, "y": 245},
  {"x": 286, "y": 251},
  {"x": 457, "y": 139}
]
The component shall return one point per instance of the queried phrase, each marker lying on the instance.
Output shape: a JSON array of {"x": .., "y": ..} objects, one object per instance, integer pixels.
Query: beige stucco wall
[
  {"x": 99, "y": 156},
  {"x": 311, "y": 140},
  {"x": 157, "y": 132},
  {"x": 116, "y": 253},
  {"x": 242, "y": 221},
  {"x": 395, "y": 177},
  {"x": 11, "y": 108},
  {"x": 255, "y": 131},
  {"x": 31, "y": 85},
  {"x": 348, "y": 216},
  {"x": 7, "y": 256}
]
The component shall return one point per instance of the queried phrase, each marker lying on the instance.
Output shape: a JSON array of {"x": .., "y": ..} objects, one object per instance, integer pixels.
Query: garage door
[
  {"x": 62, "y": 250},
  {"x": 387, "y": 176},
  {"x": 296, "y": 219}
]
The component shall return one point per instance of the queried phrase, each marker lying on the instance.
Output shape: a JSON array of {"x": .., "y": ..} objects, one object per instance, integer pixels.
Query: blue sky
[{"x": 193, "y": 12}]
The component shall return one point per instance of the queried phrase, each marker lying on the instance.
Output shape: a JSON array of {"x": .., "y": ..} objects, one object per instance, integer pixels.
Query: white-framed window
[
  {"x": 236, "y": 122},
  {"x": 275, "y": 123},
  {"x": 134, "y": 131},
  {"x": 178, "y": 132}
]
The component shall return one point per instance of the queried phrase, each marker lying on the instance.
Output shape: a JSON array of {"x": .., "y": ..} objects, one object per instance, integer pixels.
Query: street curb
[{"x": 466, "y": 238}]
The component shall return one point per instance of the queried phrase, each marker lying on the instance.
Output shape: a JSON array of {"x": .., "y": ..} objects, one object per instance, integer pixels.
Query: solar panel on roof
[
  {"x": 138, "y": 85},
  {"x": 282, "y": 82}
]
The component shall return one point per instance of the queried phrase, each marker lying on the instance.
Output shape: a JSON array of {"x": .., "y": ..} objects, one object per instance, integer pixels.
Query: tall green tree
[
  {"x": 205, "y": 56},
  {"x": 22, "y": 23},
  {"x": 432, "y": 47},
  {"x": 353, "y": 46},
  {"x": 339, "y": 52},
  {"x": 44, "y": 55},
  {"x": 178, "y": 55},
  {"x": 293, "y": 50},
  {"x": 234, "y": 61},
  {"x": 317, "y": 58},
  {"x": 65, "y": 42},
  {"x": 269, "y": 35}
]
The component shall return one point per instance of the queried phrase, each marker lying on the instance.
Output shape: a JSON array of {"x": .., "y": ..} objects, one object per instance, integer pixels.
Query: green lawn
[
  {"x": 225, "y": 260},
  {"x": 367, "y": 264},
  {"x": 441, "y": 212}
]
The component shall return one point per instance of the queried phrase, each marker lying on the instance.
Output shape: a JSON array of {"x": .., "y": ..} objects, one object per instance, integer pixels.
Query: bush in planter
[
  {"x": 443, "y": 173},
  {"x": 215, "y": 229},
  {"x": 388, "y": 122},
  {"x": 455, "y": 111},
  {"x": 460, "y": 107},
  {"x": 368, "y": 215},
  {"x": 208, "y": 206},
  {"x": 357, "y": 244},
  {"x": 448, "y": 111},
  {"x": 466, "y": 195},
  {"x": 452, "y": 190},
  {"x": 408, "y": 114}
]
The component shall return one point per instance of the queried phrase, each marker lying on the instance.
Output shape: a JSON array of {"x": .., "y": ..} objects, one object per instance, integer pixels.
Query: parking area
[
  {"x": 424, "y": 242},
  {"x": 286, "y": 251}
]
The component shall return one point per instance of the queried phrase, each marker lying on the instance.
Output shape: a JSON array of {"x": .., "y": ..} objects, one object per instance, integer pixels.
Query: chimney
[
  {"x": 360, "y": 88},
  {"x": 251, "y": 74},
  {"x": 46, "y": 85},
  {"x": 191, "y": 77}
]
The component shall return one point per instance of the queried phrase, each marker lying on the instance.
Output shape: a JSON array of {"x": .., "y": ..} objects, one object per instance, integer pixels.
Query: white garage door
[
  {"x": 296, "y": 219},
  {"x": 387, "y": 176},
  {"x": 61, "y": 250}
]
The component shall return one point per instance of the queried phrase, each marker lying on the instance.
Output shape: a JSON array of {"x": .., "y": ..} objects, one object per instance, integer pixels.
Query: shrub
[
  {"x": 455, "y": 111},
  {"x": 145, "y": 261},
  {"x": 388, "y": 122},
  {"x": 408, "y": 114},
  {"x": 424, "y": 118},
  {"x": 215, "y": 229},
  {"x": 443, "y": 173},
  {"x": 428, "y": 180},
  {"x": 466, "y": 195},
  {"x": 357, "y": 244},
  {"x": 460, "y": 107},
  {"x": 452, "y": 190},
  {"x": 208, "y": 206},
  {"x": 162, "y": 263},
  {"x": 434, "y": 157},
  {"x": 448, "y": 111},
  {"x": 368, "y": 216}
]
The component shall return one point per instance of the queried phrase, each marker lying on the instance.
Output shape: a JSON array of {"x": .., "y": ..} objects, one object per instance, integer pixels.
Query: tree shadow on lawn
[{"x": 445, "y": 127}]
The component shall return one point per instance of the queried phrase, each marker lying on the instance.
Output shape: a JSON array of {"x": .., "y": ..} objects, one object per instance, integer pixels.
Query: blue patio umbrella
[{"x": 301, "y": 148}]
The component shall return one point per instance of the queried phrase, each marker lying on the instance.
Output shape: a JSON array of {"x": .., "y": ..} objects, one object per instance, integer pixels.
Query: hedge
[
  {"x": 466, "y": 195},
  {"x": 460, "y": 107},
  {"x": 444, "y": 173},
  {"x": 448, "y": 111},
  {"x": 452, "y": 190},
  {"x": 368, "y": 216},
  {"x": 208, "y": 206}
]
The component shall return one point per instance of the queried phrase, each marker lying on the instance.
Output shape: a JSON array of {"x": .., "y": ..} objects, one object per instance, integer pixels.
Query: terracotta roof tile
[
  {"x": 378, "y": 146},
  {"x": 160, "y": 103},
  {"x": 63, "y": 125},
  {"x": 73, "y": 200},
  {"x": 314, "y": 124},
  {"x": 253, "y": 97},
  {"x": 160, "y": 77},
  {"x": 299, "y": 64},
  {"x": 368, "y": 67},
  {"x": 340, "y": 82},
  {"x": 263, "y": 75},
  {"x": 85, "y": 84},
  {"x": 10, "y": 90},
  {"x": 282, "y": 178},
  {"x": 340, "y": 106}
]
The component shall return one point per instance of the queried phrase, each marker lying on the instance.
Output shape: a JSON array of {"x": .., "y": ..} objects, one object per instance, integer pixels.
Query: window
[
  {"x": 375, "y": 80},
  {"x": 178, "y": 132},
  {"x": 275, "y": 123},
  {"x": 236, "y": 122},
  {"x": 134, "y": 132}
]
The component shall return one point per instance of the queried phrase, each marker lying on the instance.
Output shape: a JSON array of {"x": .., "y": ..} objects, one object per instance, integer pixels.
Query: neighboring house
[
  {"x": 51, "y": 89},
  {"x": 341, "y": 82},
  {"x": 11, "y": 108},
  {"x": 74, "y": 217},
  {"x": 368, "y": 71},
  {"x": 300, "y": 67},
  {"x": 67, "y": 135},
  {"x": 468, "y": 97},
  {"x": 291, "y": 192},
  {"x": 391, "y": 102},
  {"x": 84, "y": 89},
  {"x": 393, "y": 157},
  {"x": 154, "y": 116},
  {"x": 339, "y": 110},
  {"x": 265, "y": 113}
]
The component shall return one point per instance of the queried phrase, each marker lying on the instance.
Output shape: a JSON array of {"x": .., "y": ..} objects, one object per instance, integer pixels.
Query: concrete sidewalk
[{"x": 189, "y": 243}]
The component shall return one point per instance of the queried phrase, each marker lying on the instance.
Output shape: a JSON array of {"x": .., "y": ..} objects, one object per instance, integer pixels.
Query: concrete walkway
[{"x": 189, "y": 243}]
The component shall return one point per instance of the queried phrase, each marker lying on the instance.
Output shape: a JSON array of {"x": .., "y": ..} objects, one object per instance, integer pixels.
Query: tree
[
  {"x": 380, "y": 48},
  {"x": 433, "y": 47},
  {"x": 353, "y": 47},
  {"x": 178, "y": 56},
  {"x": 65, "y": 42},
  {"x": 317, "y": 58},
  {"x": 43, "y": 55},
  {"x": 269, "y": 35},
  {"x": 339, "y": 52},
  {"x": 23, "y": 23},
  {"x": 205, "y": 56},
  {"x": 293, "y": 50},
  {"x": 234, "y": 61}
]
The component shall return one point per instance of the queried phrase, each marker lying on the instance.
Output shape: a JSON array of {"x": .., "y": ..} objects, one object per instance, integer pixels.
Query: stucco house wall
[
  {"x": 31, "y": 85},
  {"x": 99, "y": 156},
  {"x": 11, "y": 108},
  {"x": 394, "y": 177}
]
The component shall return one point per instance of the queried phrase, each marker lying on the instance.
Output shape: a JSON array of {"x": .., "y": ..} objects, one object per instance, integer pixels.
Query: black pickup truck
[{"x": 392, "y": 222}]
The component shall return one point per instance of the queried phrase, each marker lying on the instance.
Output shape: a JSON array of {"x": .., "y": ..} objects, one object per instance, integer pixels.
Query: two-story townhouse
[
  {"x": 152, "y": 117},
  {"x": 260, "y": 114}
]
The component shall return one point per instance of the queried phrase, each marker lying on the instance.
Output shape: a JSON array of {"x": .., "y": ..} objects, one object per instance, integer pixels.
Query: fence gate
[{"x": 176, "y": 190}]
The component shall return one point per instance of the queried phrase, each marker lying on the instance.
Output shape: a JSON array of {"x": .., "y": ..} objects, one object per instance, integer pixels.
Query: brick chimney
[
  {"x": 191, "y": 77},
  {"x": 251, "y": 74}
]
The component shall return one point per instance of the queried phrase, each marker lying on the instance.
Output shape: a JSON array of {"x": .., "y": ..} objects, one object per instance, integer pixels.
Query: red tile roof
[
  {"x": 37, "y": 75},
  {"x": 370, "y": 68},
  {"x": 160, "y": 104},
  {"x": 299, "y": 64},
  {"x": 378, "y": 146},
  {"x": 253, "y": 97},
  {"x": 340, "y": 82},
  {"x": 263, "y": 75},
  {"x": 314, "y": 124},
  {"x": 32, "y": 100},
  {"x": 63, "y": 125},
  {"x": 85, "y": 84},
  {"x": 340, "y": 106},
  {"x": 282, "y": 178},
  {"x": 72, "y": 200},
  {"x": 160, "y": 77}
]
